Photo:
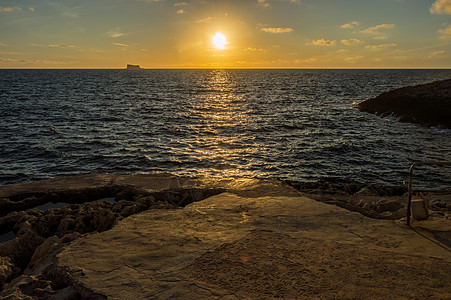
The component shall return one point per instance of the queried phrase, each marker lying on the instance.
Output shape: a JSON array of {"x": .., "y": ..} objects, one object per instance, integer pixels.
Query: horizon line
[{"x": 231, "y": 68}]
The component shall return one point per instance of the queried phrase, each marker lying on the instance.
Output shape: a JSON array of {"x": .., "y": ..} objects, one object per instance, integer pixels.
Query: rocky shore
[
  {"x": 42, "y": 258},
  {"x": 426, "y": 104},
  {"x": 92, "y": 203}
]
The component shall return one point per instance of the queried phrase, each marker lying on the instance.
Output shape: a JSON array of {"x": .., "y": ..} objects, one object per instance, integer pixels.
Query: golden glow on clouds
[
  {"x": 350, "y": 25},
  {"x": 381, "y": 46},
  {"x": 351, "y": 42},
  {"x": 9, "y": 9},
  {"x": 446, "y": 33},
  {"x": 441, "y": 7},
  {"x": 277, "y": 29},
  {"x": 322, "y": 42},
  {"x": 375, "y": 29},
  {"x": 226, "y": 34}
]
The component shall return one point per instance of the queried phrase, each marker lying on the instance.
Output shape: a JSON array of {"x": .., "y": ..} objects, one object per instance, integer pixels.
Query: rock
[
  {"x": 95, "y": 217},
  {"x": 365, "y": 191},
  {"x": 419, "y": 210},
  {"x": 14, "y": 294},
  {"x": 67, "y": 224},
  {"x": 7, "y": 270},
  {"x": 48, "y": 246},
  {"x": 27, "y": 241},
  {"x": 388, "y": 205},
  {"x": 146, "y": 200},
  {"x": 68, "y": 293},
  {"x": 399, "y": 214},
  {"x": 8, "y": 222},
  {"x": 27, "y": 287},
  {"x": 129, "y": 210},
  {"x": 426, "y": 104}
]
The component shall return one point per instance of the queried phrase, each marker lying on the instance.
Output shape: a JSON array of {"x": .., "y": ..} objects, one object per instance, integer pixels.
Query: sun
[{"x": 220, "y": 41}]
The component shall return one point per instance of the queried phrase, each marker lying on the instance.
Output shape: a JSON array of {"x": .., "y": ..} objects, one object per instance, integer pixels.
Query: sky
[{"x": 255, "y": 33}]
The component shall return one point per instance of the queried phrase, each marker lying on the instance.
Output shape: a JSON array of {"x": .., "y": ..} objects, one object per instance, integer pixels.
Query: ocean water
[{"x": 290, "y": 124}]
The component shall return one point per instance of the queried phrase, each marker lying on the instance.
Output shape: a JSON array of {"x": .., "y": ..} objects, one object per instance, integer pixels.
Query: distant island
[
  {"x": 133, "y": 67},
  {"x": 426, "y": 104}
]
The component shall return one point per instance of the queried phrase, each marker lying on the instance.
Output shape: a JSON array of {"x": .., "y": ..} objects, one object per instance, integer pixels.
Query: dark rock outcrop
[{"x": 425, "y": 104}]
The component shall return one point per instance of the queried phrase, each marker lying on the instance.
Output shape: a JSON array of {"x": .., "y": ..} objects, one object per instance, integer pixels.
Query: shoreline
[{"x": 34, "y": 254}]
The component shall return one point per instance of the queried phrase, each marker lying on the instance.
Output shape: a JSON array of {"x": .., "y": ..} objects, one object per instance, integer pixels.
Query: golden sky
[{"x": 255, "y": 33}]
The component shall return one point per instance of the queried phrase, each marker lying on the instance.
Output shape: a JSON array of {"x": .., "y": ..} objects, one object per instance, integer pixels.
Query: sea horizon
[{"x": 233, "y": 68}]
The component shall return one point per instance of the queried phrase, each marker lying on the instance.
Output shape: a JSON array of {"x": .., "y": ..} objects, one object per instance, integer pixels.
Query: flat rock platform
[
  {"x": 256, "y": 240},
  {"x": 255, "y": 246}
]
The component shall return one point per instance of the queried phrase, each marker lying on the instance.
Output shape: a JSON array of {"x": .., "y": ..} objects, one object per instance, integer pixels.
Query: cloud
[
  {"x": 31, "y": 9},
  {"x": 9, "y": 9},
  {"x": 71, "y": 13},
  {"x": 322, "y": 42},
  {"x": 446, "y": 30},
  {"x": 435, "y": 53},
  {"x": 54, "y": 46},
  {"x": 446, "y": 33},
  {"x": 264, "y": 3},
  {"x": 277, "y": 29},
  {"x": 375, "y": 29},
  {"x": 254, "y": 49},
  {"x": 441, "y": 7},
  {"x": 351, "y": 42},
  {"x": 36, "y": 61},
  {"x": 181, "y": 11},
  {"x": 180, "y": 4},
  {"x": 381, "y": 46},
  {"x": 115, "y": 33},
  {"x": 350, "y": 25},
  {"x": 353, "y": 59},
  {"x": 119, "y": 44},
  {"x": 205, "y": 20},
  {"x": 307, "y": 60}
]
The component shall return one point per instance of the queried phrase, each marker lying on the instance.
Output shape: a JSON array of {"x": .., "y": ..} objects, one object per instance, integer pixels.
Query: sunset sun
[{"x": 220, "y": 41}]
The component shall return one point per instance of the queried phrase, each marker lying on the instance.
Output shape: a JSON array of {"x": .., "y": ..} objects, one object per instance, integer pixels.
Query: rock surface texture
[
  {"x": 237, "y": 238},
  {"x": 426, "y": 104}
]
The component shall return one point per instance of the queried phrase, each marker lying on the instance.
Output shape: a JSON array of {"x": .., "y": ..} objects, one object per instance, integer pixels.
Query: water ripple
[{"x": 289, "y": 124}]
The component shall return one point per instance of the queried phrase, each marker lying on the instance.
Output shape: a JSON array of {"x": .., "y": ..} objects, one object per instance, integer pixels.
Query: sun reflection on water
[{"x": 219, "y": 116}]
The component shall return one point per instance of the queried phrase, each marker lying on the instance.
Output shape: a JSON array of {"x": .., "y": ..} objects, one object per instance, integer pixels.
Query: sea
[{"x": 297, "y": 125}]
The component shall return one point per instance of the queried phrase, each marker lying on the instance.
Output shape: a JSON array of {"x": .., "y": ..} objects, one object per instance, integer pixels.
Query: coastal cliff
[{"x": 425, "y": 104}]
